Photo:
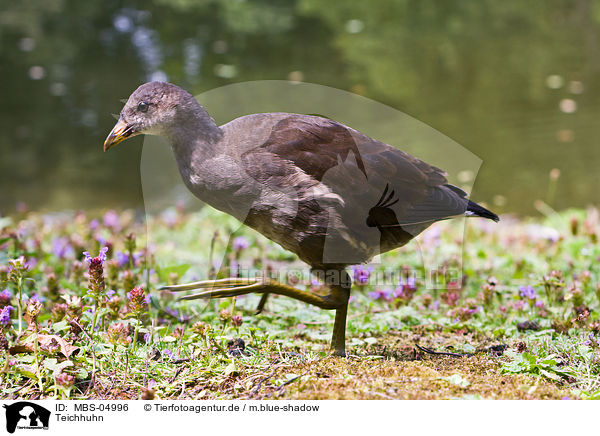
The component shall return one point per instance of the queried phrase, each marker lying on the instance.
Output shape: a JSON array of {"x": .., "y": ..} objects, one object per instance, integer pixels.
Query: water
[{"x": 515, "y": 83}]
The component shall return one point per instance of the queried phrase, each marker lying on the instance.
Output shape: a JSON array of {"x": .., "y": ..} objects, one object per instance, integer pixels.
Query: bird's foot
[
  {"x": 232, "y": 287},
  {"x": 221, "y": 288}
]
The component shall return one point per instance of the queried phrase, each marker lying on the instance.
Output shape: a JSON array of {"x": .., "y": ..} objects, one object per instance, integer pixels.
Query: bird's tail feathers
[{"x": 473, "y": 209}]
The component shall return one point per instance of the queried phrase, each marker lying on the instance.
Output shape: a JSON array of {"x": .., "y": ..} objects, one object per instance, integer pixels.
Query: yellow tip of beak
[{"x": 120, "y": 132}]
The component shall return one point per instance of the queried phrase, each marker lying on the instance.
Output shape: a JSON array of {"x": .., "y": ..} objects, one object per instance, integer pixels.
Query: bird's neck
[
  {"x": 194, "y": 138},
  {"x": 193, "y": 126}
]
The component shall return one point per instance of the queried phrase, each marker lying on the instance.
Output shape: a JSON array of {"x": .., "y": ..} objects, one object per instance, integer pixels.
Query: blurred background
[{"x": 514, "y": 82}]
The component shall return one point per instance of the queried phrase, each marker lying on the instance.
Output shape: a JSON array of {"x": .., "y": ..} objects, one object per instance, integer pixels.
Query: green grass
[{"x": 467, "y": 300}]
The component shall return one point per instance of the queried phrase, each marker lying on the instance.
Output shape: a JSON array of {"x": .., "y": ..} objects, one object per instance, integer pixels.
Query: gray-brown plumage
[{"x": 320, "y": 189}]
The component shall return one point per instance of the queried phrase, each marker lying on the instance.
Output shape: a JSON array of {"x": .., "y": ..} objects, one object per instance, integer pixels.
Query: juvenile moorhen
[{"x": 326, "y": 192}]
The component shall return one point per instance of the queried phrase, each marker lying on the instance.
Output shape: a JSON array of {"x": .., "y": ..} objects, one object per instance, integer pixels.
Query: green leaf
[
  {"x": 60, "y": 326},
  {"x": 457, "y": 380},
  {"x": 550, "y": 375},
  {"x": 55, "y": 367},
  {"x": 180, "y": 270},
  {"x": 231, "y": 369}
]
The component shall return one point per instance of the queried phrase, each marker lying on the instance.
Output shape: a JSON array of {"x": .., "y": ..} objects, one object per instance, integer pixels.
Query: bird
[{"x": 328, "y": 193}]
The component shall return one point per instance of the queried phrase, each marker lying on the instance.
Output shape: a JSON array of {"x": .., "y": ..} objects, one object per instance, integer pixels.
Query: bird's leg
[
  {"x": 336, "y": 298},
  {"x": 261, "y": 304}
]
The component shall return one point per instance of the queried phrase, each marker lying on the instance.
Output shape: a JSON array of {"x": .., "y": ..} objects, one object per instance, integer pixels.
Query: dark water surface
[{"x": 517, "y": 83}]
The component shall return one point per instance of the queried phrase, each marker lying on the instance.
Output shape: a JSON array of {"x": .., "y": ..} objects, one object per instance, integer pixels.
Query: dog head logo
[{"x": 26, "y": 415}]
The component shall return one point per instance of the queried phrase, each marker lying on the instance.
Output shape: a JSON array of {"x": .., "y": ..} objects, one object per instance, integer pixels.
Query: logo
[{"x": 26, "y": 415}]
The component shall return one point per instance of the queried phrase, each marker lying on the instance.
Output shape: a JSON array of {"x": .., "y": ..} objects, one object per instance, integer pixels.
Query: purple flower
[
  {"x": 169, "y": 217},
  {"x": 386, "y": 294},
  {"x": 5, "y": 315},
  {"x": 519, "y": 305},
  {"x": 240, "y": 243},
  {"x": 591, "y": 340},
  {"x": 111, "y": 219},
  {"x": 168, "y": 353},
  {"x": 62, "y": 248},
  {"x": 147, "y": 338},
  {"x": 375, "y": 295},
  {"x": 539, "y": 304},
  {"x": 361, "y": 274},
  {"x": 110, "y": 293},
  {"x": 5, "y": 294},
  {"x": 410, "y": 284},
  {"x": 122, "y": 259},
  {"x": 527, "y": 292},
  {"x": 31, "y": 263},
  {"x": 101, "y": 258},
  {"x": 172, "y": 312},
  {"x": 36, "y": 298},
  {"x": 94, "y": 224}
]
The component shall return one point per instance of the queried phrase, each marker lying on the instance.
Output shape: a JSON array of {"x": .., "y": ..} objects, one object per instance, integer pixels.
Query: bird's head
[{"x": 152, "y": 109}]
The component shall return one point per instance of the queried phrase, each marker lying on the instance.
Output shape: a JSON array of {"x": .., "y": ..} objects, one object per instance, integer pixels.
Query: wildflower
[
  {"x": 77, "y": 269},
  {"x": 94, "y": 224},
  {"x": 117, "y": 334},
  {"x": 427, "y": 299},
  {"x": 130, "y": 279},
  {"x": 225, "y": 315},
  {"x": 16, "y": 268},
  {"x": 101, "y": 258},
  {"x": 591, "y": 341},
  {"x": 450, "y": 298},
  {"x": 240, "y": 243},
  {"x": 585, "y": 277},
  {"x": 236, "y": 320},
  {"x": 465, "y": 312},
  {"x": 65, "y": 380},
  {"x": 375, "y": 295},
  {"x": 201, "y": 328},
  {"x": 519, "y": 305},
  {"x": 406, "y": 289},
  {"x": 527, "y": 292},
  {"x": 5, "y": 315},
  {"x": 138, "y": 301},
  {"x": 62, "y": 248},
  {"x": 122, "y": 259},
  {"x": 130, "y": 243},
  {"x": 147, "y": 338},
  {"x": 111, "y": 220},
  {"x": 574, "y": 225},
  {"x": 52, "y": 286},
  {"x": 96, "y": 273},
  {"x": 58, "y": 312},
  {"x": 74, "y": 305},
  {"x": 168, "y": 353},
  {"x": 34, "y": 306},
  {"x": 178, "y": 332},
  {"x": 5, "y": 298},
  {"x": 361, "y": 274}
]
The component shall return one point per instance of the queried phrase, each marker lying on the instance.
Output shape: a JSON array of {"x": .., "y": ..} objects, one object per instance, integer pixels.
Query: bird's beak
[{"x": 120, "y": 132}]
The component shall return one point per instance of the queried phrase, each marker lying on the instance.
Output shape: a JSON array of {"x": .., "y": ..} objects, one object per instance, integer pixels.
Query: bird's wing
[{"x": 358, "y": 169}]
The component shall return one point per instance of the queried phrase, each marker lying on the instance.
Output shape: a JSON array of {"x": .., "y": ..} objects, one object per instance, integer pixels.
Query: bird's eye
[{"x": 143, "y": 107}]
